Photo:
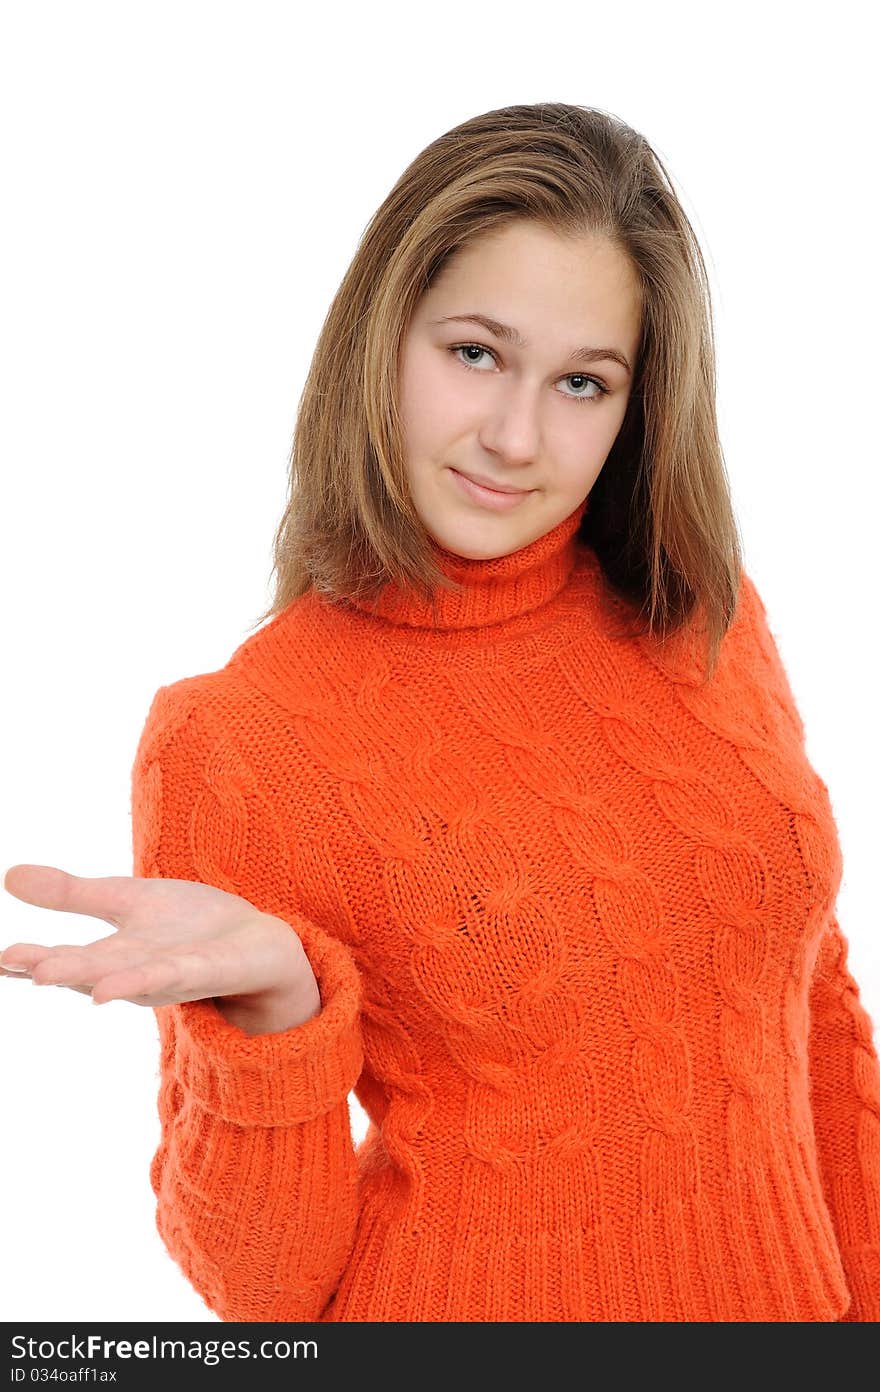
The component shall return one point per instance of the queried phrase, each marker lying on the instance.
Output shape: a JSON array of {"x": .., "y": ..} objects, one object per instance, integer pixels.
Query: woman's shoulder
[
  {"x": 283, "y": 675},
  {"x": 266, "y": 674}
]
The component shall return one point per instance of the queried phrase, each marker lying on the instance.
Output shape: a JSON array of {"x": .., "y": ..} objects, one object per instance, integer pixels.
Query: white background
[{"x": 184, "y": 185}]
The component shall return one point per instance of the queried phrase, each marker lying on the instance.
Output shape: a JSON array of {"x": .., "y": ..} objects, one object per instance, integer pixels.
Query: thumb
[
  {"x": 37, "y": 884},
  {"x": 51, "y": 888}
]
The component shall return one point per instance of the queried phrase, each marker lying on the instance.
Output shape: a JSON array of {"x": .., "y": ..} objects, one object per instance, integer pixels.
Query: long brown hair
[{"x": 660, "y": 517}]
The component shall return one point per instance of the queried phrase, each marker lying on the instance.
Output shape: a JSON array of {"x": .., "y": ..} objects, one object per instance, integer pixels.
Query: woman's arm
[{"x": 255, "y": 1173}]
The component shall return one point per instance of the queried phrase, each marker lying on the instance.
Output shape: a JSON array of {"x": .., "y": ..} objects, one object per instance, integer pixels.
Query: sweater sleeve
[
  {"x": 255, "y": 1172},
  {"x": 844, "y": 1070},
  {"x": 845, "y": 1096}
]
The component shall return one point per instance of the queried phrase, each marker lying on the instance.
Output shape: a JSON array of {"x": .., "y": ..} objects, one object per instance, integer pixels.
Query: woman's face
[{"x": 530, "y": 415}]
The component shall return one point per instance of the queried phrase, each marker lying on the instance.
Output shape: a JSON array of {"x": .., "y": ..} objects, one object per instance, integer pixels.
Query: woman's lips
[{"x": 488, "y": 497}]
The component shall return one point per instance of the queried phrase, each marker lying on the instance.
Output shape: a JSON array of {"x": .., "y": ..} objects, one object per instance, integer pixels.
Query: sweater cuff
[
  {"x": 275, "y": 1079},
  {"x": 862, "y": 1268}
]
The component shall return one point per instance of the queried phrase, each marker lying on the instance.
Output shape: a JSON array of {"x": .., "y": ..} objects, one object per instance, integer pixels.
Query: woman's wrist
[
  {"x": 272, "y": 1012},
  {"x": 265, "y": 1017}
]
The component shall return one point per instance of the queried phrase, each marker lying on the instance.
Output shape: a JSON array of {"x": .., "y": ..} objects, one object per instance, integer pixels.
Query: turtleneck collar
[{"x": 492, "y": 590}]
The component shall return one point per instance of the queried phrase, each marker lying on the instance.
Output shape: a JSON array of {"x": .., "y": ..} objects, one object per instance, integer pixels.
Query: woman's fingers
[
  {"x": 157, "y": 909},
  {"x": 28, "y": 957},
  {"x": 118, "y": 968},
  {"x": 66, "y": 967},
  {"x": 148, "y": 983},
  {"x": 23, "y": 956},
  {"x": 106, "y": 896},
  {"x": 143, "y": 983},
  {"x": 24, "y": 975},
  {"x": 173, "y": 940}
]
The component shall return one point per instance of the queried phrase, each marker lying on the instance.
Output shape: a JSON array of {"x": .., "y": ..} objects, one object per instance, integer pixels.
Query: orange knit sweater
[{"x": 572, "y": 917}]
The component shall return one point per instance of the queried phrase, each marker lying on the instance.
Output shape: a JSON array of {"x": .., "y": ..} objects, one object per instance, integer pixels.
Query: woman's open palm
[{"x": 174, "y": 940}]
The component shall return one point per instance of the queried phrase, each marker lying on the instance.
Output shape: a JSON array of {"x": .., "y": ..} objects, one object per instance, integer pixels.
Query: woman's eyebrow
[{"x": 586, "y": 354}]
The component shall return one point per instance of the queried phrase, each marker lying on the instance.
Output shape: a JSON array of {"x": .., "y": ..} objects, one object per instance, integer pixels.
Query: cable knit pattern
[{"x": 571, "y": 910}]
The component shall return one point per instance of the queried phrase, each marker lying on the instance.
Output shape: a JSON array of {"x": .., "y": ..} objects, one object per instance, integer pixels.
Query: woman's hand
[{"x": 174, "y": 940}]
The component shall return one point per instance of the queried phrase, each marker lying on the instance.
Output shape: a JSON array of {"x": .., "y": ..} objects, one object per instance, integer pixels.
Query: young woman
[{"x": 503, "y": 819}]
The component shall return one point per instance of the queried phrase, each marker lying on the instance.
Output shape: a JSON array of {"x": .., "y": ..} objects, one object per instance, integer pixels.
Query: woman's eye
[
  {"x": 601, "y": 390},
  {"x": 464, "y": 348}
]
